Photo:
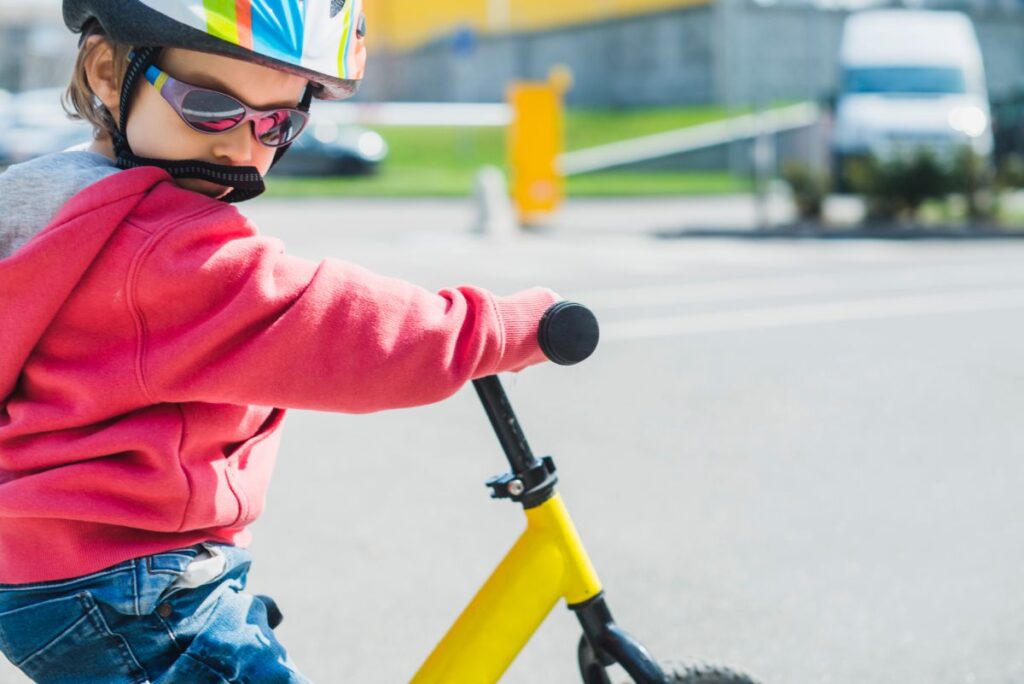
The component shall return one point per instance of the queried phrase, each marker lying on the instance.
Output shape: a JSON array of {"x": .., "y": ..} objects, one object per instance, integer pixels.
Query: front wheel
[
  {"x": 707, "y": 675},
  {"x": 593, "y": 670}
]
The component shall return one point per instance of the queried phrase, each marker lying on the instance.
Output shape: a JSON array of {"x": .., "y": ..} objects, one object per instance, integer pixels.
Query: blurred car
[
  {"x": 910, "y": 80},
  {"x": 38, "y": 125},
  {"x": 330, "y": 148}
]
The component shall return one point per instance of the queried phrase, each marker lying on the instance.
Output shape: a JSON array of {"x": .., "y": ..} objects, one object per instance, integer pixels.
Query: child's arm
[{"x": 225, "y": 316}]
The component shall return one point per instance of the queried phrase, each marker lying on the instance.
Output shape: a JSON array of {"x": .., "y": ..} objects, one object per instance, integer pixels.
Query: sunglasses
[{"x": 211, "y": 111}]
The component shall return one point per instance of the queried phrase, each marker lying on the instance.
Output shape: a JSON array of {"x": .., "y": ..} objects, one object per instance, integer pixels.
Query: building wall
[
  {"x": 779, "y": 53},
  {"x": 1001, "y": 35},
  {"x": 660, "y": 58},
  {"x": 733, "y": 52},
  {"x": 403, "y": 24}
]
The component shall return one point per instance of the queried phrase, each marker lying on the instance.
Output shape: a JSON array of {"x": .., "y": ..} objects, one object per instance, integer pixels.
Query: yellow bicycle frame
[{"x": 547, "y": 563}]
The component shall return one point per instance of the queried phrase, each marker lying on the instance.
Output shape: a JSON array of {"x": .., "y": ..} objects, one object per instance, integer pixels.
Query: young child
[{"x": 151, "y": 340}]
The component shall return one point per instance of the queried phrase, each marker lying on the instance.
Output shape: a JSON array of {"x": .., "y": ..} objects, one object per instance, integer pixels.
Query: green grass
[
  {"x": 590, "y": 127},
  {"x": 442, "y": 162},
  {"x": 1013, "y": 220},
  {"x": 650, "y": 184}
]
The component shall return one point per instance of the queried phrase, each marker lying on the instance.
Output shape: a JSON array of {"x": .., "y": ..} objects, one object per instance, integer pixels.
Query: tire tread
[{"x": 706, "y": 674}]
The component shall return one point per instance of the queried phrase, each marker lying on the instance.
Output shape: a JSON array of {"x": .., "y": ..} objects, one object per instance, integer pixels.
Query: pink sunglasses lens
[
  {"x": 280, "y": 127},
  {"x": 211, "y": 112}
]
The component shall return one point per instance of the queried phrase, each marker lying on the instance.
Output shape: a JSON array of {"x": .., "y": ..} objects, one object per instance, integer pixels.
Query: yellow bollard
[{"x": 535, "y": 140}]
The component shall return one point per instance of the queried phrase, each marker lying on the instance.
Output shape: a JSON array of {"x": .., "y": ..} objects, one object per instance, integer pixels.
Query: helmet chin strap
[{"x": 245, "y": 182}]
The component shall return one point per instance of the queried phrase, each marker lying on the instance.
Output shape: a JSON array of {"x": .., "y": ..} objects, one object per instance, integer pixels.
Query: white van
[{"x": 910, "y": 79}]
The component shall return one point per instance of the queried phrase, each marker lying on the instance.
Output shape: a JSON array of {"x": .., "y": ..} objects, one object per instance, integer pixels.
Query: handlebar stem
[{"x": 506, "y": 425}]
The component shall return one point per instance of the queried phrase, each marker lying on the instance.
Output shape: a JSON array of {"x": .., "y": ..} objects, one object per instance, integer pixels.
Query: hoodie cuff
[{"x": 520, "y": 316}]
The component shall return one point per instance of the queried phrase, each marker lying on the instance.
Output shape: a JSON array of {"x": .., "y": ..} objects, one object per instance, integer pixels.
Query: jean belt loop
[{"x": 138, "y": 579}]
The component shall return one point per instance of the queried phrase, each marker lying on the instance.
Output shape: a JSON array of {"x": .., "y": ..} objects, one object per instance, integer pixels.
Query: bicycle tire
[
  {"x": 707, "y": 675},
  {"x": 593, "y": 671}
]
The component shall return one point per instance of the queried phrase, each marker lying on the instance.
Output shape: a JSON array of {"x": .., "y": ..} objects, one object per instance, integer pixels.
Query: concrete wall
[
  {"x": 731, "y": 52},
  {"x": 662, "y": 58},
  {"x": 406, "y": 24},
  {"x": 1001, "y": 35},
  {"x": 781, "y": 53}
]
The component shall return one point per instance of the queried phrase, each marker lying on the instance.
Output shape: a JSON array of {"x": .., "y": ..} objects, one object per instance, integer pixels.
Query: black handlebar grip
[{"x": 568, "y": 333}]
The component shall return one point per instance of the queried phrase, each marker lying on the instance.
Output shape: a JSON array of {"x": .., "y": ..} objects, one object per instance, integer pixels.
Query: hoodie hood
[
  {"x": 49, "y": 237},
  {"x": 32, "y": 193}
]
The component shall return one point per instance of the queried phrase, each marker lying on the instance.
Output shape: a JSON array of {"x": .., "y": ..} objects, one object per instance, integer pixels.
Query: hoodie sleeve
[{"x": 224, "y": 315}]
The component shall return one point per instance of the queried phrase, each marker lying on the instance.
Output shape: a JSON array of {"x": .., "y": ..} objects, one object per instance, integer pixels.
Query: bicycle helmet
[{"x": 319, "y": 40}]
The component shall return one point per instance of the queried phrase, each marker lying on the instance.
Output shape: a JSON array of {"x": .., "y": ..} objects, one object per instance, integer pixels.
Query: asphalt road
[{"x": 798, "y": 458}]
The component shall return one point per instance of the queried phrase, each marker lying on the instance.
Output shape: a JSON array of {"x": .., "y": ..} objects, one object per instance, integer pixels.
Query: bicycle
[{"x": 548, "y": 562}]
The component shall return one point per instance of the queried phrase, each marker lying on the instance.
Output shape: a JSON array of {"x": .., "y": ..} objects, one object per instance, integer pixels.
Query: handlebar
[{"x": 568, "y": 333}]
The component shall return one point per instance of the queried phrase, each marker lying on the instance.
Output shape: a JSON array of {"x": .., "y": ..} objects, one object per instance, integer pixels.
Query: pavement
[
  {"x": 740, "y": 215},
  {"x": 623, "y": 216},
  {"x": 799, "y": 458}
]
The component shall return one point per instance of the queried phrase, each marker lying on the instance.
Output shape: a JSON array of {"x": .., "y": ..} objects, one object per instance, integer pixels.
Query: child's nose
[{"x": 236, "y": 146}]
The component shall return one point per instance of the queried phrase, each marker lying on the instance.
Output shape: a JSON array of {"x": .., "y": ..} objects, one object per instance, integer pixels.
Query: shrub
[
  {"x": 975, "y": 178},
  {"x": 1011, "y": 171},
  {"x": 809, "y": 190},
  {"x": 894, "y": 189}
]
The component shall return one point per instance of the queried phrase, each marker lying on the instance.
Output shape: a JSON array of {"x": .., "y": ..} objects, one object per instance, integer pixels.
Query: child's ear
[{"x": 101, "y": 74}]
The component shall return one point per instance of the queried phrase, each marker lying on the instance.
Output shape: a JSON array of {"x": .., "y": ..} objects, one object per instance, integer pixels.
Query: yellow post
[{"x": 535, "y": 140}]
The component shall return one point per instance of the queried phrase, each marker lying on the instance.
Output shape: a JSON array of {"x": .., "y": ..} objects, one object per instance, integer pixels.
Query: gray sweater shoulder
[{"x": 33, "y": 192}]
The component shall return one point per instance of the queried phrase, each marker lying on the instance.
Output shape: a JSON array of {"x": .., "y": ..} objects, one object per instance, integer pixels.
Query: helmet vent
[{"x": 336, "y": 6}]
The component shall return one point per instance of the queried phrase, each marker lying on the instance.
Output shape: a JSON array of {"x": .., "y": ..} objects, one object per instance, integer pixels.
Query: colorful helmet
[{"x": 320, "y": 40}]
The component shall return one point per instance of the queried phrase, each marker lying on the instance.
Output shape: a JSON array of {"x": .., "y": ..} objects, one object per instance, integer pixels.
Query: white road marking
[
  {"x": 806, "y": 314},
  {"x": 804, "y": 284}
]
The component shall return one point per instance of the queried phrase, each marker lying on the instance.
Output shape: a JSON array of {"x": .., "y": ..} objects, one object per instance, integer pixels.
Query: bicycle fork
[{"x": 604, "y": 643}]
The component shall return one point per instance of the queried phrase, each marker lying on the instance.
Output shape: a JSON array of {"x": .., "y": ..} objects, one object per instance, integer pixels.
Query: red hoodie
[{"x": 150, "y": 340}]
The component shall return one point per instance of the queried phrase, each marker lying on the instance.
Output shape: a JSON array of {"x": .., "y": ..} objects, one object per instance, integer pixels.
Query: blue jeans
[{"x": 128, "y": 625}]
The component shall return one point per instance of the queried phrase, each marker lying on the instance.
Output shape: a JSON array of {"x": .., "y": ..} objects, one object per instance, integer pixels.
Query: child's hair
[{"x": 80, "y": 102}]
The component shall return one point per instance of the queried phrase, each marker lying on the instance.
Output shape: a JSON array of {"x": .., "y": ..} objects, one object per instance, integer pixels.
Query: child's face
[{"x": 155, "y": 130}]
